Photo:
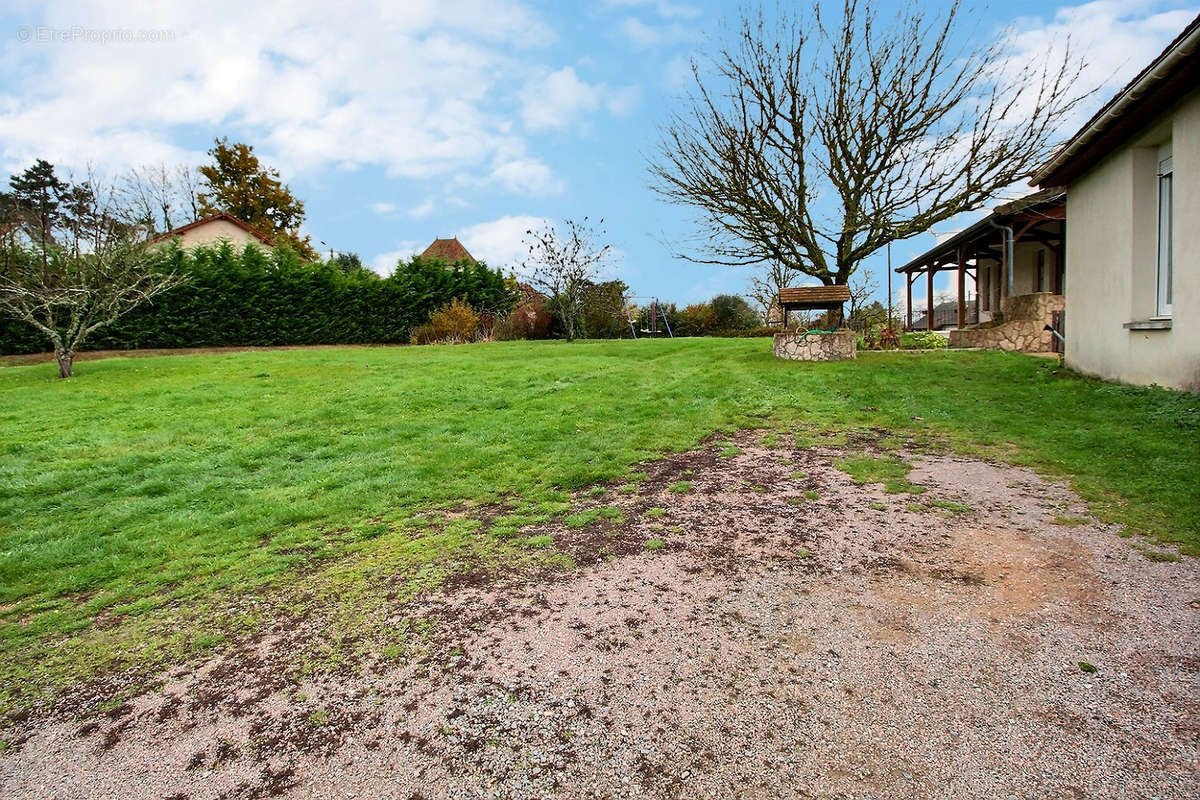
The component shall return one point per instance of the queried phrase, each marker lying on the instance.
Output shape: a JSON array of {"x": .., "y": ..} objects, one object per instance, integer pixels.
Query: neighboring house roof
[
  {"x": 1156, "y": 88},
  {"x": 1045, "y": 204},
  {"x": 530, "y": 294},
  {"x": 248, "y": 228},
  {"x": 448, "y": 250}
]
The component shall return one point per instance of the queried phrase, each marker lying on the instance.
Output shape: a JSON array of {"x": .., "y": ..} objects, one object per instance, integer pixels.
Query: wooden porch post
[
  {"x": 962, "y": 288},
  {"x": 929, "y": 300},
  {"x": 908, "y": 304}
]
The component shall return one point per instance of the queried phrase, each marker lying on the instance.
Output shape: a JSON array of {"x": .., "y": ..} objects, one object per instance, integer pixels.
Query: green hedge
[{"x": 256, "y": 297}]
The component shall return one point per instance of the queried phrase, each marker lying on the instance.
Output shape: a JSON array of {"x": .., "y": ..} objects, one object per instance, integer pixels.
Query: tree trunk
[{"x": 64, "y": 358}]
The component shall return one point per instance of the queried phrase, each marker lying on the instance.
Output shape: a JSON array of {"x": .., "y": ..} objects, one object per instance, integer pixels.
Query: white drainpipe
[{"x": 1008, "y": 254}]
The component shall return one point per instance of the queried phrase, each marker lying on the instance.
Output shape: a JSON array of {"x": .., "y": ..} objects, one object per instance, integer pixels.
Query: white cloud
[
  {"x": 677, "y": 74},
  {"x": 385, "y": 263},
  {"x": 416, "y": 88},
  {"x": 1115, "y": 39},
  {"x": 556, "y": 99},
  {"x": 423, "y": 210},
  {"x": 500, "y": 241},
  {"x": 644, "y": 35},
  {"x": 383, "y": 208},
  {"x": 527, "y": 176},
  {"x": 664, "y": 8},
  {"x": 640, "y": 33}
]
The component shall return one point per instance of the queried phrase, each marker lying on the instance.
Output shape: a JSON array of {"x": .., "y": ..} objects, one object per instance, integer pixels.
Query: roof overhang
[
  {"x": 1174, "y": 74},
  {"x": 1047, "y": 205}
]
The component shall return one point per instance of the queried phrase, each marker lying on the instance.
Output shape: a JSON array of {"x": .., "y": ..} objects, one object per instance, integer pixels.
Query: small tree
[
  {"x": 79, "y": 271},
  {"x": 564, "y": 264},
  {"x": 733, "y": 313},
  {"x": 861, "y": 287}
]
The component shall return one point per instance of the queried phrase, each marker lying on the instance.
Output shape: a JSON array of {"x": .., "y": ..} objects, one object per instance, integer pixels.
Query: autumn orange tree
[{"x": 237, "y": 183}]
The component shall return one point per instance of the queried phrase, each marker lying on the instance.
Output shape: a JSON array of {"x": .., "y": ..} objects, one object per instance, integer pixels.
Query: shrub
[
  {"x": 454, "y": 323},
  {"x": 732, "y": 312},
  {"x": 698, "y": 319},
  {"x": 923, "y": 340},
  {"x": 526, "y": 321}
]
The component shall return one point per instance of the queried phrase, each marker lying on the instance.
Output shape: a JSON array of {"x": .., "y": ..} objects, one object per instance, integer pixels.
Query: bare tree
[
  {"x": 91, "y": 266},
  {"x": 563, "y": 264},
  {"x": 159, "y": 197},
  {"x": 861, "y": 287},
  {"x": 812, "y": 145},
  {"x": 765, "y": 284}
]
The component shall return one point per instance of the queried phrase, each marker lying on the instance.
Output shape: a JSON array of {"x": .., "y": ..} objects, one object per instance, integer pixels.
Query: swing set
[{"x": 625, "y": 315}]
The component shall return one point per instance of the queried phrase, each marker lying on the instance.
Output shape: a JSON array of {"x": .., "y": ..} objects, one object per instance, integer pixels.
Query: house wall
[
  {"x": 216, "y": 230},
  {"x": 1112, "y": 236}
]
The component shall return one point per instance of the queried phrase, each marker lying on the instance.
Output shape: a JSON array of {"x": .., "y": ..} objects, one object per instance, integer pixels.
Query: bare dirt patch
[{"x": 796, "y": 635}]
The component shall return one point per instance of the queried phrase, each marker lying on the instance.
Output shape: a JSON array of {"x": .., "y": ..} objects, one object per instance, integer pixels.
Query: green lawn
[{"x": 142, "y": 496}]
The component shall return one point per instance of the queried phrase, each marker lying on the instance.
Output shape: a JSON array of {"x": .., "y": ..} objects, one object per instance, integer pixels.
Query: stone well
[{"x": 815, "y": 346}]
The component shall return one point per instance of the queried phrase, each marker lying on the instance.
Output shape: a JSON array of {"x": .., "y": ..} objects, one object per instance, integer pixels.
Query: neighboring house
[
  {"x": 1015, "y": 258},
  {"x": 448, "y": 250},
  {"x": 214, "y": 229},
  {"x": 1133, "y": 254}
]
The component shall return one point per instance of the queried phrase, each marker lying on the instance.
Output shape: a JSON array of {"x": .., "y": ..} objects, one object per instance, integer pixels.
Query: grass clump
[
  {"x": 655, "y": 512},
  {"x": 655, "y": 544},
  {"x": 812, "y": 494},
  {"x": 1069, "y": 522},
  {"x": 951, "y": 506},
  {"x": 877, "y": 506},
  {"x": 892, "y": 472},
  {"x": 681, "y": 487},
  {"x": 728, "y": 450},
  {"x": 1157, "y": 556}
]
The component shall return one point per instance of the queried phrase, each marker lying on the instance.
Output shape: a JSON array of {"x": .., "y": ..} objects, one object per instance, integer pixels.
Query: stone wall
[
  {"x": 1023, "y": 328},
  {"x": 800, "y": 346}
]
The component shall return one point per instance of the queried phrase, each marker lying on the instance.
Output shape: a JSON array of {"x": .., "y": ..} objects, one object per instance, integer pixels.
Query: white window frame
[{"x": 1166, "y": 226}]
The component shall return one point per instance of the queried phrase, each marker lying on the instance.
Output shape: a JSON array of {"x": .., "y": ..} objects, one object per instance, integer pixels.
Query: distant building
[
  {"x": 219, "y": 227},
  {"x": 448, "y": 250}
]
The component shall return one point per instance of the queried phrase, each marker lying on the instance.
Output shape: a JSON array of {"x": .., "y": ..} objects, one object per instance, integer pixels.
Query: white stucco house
[
  {"x": 1132, "y": 176},
  {"x": 219, "y": 227}
]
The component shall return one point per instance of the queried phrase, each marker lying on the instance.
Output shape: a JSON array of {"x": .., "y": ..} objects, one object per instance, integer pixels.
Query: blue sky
[{"x": 399, "y": 122}]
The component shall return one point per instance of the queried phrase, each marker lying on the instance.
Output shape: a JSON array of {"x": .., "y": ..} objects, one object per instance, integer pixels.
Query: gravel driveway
[{"x": 796, "y": 635}]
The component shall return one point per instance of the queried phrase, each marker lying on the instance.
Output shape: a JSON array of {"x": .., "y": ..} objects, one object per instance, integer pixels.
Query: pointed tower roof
[{"x": 448, "y": 250}]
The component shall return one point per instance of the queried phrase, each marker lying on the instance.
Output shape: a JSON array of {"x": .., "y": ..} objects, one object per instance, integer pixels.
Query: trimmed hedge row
[{"x": 255, "y": 297}]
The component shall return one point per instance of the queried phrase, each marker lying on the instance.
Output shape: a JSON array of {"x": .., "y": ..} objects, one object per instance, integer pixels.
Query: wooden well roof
[{"x": 801, "y": 298}]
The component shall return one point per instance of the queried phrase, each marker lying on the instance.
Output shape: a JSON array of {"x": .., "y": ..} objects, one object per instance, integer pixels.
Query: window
[
  {"x": 1165, "y": 230},
  {"x": 1040, "y": 285}
]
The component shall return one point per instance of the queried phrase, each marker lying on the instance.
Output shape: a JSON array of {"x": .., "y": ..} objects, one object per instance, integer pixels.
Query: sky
[{"x": 399, "y": 122}]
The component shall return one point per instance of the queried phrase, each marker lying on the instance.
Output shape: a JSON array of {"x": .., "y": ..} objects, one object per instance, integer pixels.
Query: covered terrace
[{"x": 1015, "y": 251}]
